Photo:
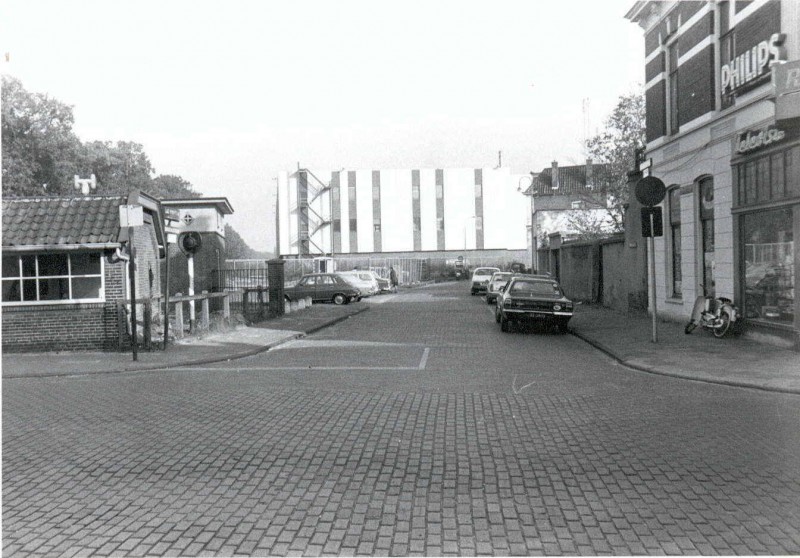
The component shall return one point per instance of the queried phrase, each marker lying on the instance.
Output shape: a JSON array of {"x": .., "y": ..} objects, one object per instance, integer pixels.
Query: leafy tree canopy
[
  {"x": 40, "y": 151},
  {"x": 41, "y": 156},
  {"x": 623, "y": 133}
]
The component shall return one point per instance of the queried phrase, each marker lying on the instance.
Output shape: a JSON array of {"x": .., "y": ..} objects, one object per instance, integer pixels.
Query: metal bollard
[
  {"x": 295, "y": 305},
  {"x": 309, "y": 302},
  {"x": 301, "y": 304},
  {"x": 287, "y": 307}
]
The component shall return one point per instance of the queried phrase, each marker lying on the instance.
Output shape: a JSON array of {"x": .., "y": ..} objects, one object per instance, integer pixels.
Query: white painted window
[{"x": 54, "y": 278}]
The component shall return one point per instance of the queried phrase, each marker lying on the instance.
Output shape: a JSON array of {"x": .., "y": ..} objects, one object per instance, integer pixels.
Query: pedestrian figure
[{"x": 393, "y": 279}]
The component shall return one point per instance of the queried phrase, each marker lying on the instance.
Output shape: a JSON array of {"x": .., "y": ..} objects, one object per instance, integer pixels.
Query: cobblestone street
[{"x": 415, "y": 428}]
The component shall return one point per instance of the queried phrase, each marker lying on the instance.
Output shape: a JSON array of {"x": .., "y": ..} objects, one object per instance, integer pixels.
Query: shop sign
[
  {"x": 752, "y": 65},
  {"x": 786, "y": 79},
  {"x": 756, "y": 139}
]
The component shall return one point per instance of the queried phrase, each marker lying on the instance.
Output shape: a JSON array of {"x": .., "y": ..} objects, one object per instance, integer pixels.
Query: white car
[
  {"x": 364, "y": 281},
  {"x": 480, "y": 279}
]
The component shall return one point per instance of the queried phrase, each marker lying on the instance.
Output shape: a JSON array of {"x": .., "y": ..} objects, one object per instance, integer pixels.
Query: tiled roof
[
  {"x": 59, "y": 221},
  {"x": 571, "y": 180}
]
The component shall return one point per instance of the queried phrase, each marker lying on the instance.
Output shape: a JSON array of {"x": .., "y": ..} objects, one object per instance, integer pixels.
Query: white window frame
[{"x": 69, "y": 276}]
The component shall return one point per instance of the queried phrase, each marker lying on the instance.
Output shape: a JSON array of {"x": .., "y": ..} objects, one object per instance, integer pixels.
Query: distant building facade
[
  {"x": 723, "y": 133},
  {"x": 393, "y": 211},
  {"x": 556, "y": 194}
]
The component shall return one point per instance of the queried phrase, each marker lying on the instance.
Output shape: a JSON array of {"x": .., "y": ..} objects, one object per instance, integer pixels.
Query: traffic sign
[
  {"x": 650, "y": 190},
  {"x": 652, "y": 227}
]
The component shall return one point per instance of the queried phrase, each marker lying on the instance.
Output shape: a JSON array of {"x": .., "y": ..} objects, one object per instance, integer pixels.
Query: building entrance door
[{"x": 707, "y": 234}]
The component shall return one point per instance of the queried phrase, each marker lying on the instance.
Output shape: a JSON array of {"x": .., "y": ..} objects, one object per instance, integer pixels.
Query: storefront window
[{"x": 769, "y": 266}]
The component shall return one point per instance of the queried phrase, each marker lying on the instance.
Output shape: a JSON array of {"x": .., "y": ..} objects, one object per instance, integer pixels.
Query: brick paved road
[{"x": 419, "y": 429}]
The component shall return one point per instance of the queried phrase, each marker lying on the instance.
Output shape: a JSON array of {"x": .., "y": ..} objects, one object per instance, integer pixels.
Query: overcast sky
[{"x": 228, "y": 93}]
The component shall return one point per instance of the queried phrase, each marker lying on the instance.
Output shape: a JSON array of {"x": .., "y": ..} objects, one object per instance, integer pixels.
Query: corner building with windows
[
  {"x": 723, "y": 134},
  {"x": 399, "y": 210}
]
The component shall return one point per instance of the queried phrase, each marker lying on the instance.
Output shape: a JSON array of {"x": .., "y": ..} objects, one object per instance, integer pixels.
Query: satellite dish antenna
[{"x": 524, "y": 183}]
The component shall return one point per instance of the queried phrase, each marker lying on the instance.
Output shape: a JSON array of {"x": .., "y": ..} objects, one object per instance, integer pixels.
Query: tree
[
  {"x": 167, "y": 186},
  {"x": 40, "y": 150},
  {"x": 623, "y": 133},
  {"x": 119, "y": 167},
  {"x": 237, "y": 249}
]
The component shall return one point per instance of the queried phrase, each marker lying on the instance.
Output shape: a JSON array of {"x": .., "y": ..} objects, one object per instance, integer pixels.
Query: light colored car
[
  {"x": 499, "y": 279},
  {"x": 480, "y": 279},
  {"x": 364, "y": 281},
  {"x": 383, "y": 284}
]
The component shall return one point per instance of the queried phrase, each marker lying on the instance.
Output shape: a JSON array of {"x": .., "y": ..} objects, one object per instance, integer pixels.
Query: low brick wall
[{"x": 60, "y": 327}]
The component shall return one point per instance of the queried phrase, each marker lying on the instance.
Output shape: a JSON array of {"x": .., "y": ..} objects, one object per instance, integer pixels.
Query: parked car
[
  {"x": 364, "y": 281},
  {"x": 323, "y": 287},
  {"x": 498, "y": 279},
  {"x": 480, "y": 279},
  {"x": 383, "y": 284},
  {"x": 533, "y": 300}
]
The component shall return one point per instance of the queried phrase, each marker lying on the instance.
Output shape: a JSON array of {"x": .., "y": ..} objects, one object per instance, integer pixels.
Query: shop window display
[{"x": 769, "y": 266}]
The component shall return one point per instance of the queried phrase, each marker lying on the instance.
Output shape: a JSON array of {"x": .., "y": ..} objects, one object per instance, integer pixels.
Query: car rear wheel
[
  {"x": 505, "y": 324},
  {"x": 497, "y": 314},
  {"x": 339, "y": 299}
]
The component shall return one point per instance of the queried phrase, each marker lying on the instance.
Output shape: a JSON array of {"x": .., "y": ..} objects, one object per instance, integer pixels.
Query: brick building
[
  {"x": 725, "y": 142},
  {"x": 63, "y": 276}
]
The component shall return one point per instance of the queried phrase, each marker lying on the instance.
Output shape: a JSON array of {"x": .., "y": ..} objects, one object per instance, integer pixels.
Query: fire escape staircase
[{"x": 313, "y": 220}]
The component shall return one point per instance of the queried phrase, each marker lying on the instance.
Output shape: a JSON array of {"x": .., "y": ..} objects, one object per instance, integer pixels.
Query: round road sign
[{"x": 650, "y": 190}]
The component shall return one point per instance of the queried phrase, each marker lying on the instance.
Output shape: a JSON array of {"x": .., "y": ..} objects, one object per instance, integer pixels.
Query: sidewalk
[
  {"x": 734, "y": 361},
  {"x": 214, "y": 347}
]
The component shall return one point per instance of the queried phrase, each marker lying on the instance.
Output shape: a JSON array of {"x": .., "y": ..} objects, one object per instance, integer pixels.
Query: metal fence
[{"x": 235, "y": 281}]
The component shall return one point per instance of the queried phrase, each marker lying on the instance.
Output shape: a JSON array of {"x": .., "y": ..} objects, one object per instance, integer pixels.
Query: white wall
[
  {"x": 459, "y": 208},
  {"x": 397, "y": 211},
  {"x": 427, "y": 203},
  {"x": 364, "y": 210}
]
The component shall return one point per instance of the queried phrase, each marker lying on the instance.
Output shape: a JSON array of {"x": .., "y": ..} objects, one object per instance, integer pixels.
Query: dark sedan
[
  {"x": 323, "y": 287},
  {"x": 533, "y": 300}
]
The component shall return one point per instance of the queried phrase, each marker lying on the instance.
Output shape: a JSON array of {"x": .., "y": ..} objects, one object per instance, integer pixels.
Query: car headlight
[{"x": 556, "y": 307}]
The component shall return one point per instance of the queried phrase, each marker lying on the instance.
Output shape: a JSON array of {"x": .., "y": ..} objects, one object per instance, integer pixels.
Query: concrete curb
[
  {"x": 662, "y": 372},
  {"x": 197, "y": 362}
]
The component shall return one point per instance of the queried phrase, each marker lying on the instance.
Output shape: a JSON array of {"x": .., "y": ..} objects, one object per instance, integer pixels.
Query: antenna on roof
[{"x": 85, "y": 185}]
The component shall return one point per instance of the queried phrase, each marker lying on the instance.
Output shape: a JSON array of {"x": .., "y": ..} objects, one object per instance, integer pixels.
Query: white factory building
[{"x": 399, "y": 210}]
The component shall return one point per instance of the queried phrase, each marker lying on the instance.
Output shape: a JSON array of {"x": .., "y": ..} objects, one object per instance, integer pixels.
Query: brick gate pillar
[{"x": 275, "y": 279}]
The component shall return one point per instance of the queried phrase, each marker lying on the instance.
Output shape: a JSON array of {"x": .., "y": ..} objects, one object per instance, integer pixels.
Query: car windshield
[
  {"x": 534, "y": 288},
  {"x": 365, "y": 276},
  {"x": 484, "y": 271}
]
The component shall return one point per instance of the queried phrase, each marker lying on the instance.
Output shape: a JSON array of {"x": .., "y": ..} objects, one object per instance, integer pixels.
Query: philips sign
[{"x": 749, "y": 67}]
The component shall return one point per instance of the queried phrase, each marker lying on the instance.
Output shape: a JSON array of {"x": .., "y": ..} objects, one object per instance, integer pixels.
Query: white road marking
[
  {"x": 514, "y": 386},
  {"x": 322, "y": 343},
  {"x": 424, "y": 360},
  {"x": 272, "y": 368}
]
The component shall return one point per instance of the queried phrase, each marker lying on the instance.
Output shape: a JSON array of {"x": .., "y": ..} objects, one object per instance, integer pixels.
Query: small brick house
[{"x": 64, "y": 270}]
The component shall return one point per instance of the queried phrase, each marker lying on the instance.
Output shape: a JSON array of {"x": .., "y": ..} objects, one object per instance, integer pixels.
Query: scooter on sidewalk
[{"x": 717, "y": 314}]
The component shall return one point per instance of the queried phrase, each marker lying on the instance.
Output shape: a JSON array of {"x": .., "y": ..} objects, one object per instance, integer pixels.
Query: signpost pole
[
  {"x": 132, "y": 275},
  {"x": 651, "y": 249},
  {"x": 166, "y": 290}
]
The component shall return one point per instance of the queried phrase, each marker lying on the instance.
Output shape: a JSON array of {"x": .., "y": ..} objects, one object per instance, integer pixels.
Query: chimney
[
  {"x": 555, "y": 184},
  {"x": 589, "y": 177}
]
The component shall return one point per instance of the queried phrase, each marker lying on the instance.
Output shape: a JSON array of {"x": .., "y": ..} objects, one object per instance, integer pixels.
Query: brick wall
[
  {"x": 84, "y": 326},
  {"x": 62, "y": 327}
]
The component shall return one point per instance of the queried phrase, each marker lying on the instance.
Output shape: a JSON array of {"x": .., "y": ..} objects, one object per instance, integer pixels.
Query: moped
[{"x": 718, "y": 314}]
